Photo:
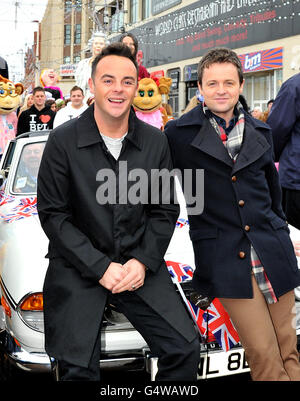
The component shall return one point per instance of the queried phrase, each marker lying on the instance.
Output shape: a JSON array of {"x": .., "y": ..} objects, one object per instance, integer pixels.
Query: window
[
  {"x": 117, "y": 21},
  {"x": 146, "y": 4},
  {"x": 76, "y": 58},
  {"x": 68, "y": 6},
  {"x": 67, "y": 34},
  {"x": 78, "y": 4},
  {"x": 67, "y": 60},
  {"x": 77, "y": 34},
  {"x": 134, "y": 11},
  {"x": 25, "y": 180}
]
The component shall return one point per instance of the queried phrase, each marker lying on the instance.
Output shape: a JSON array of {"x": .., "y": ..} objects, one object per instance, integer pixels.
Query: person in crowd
[
  {"x": 284, "y": 119},
  {"x": 270, "y": 104},
  {"x": 73, "y": 108},
  {"x": 26, "y": 176},
  {"x": 52, "y": 104},
  {"x": 83, "y": 72},
  {"x": 28, "y": 102},
  {"x": 3, "y": 68},
  {"x": 256, "y": 112},
  {"x": 38, "y": 117},
  {"x": 243, "y": 252},
  {"x": 131, "y": 41},
  {"x": 103, "y": 250},
  {"x": 194, "y": 101},
  {"x": 60, "y": 104}
]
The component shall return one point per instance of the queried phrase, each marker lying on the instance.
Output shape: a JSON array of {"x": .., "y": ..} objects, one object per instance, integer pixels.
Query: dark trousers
[
  {"x": 178, "y": 359},
  {"x": 291, "y": 206}
]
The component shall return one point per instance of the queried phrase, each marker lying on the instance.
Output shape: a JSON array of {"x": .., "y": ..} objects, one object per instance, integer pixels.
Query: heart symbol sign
[{"x": 44, "y": 118}]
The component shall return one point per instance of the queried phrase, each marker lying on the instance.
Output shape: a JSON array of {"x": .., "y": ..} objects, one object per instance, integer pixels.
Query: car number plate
[
  {"x": 215, "y": 364},
  {"x": 220, "y": 363}
]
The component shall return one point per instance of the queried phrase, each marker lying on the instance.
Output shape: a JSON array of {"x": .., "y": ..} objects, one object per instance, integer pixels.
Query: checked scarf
[{"x": 233, "y": 142}]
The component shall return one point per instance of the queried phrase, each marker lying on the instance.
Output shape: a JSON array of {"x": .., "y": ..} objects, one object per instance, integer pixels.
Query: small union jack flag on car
[{"x": 179, "y": 271}]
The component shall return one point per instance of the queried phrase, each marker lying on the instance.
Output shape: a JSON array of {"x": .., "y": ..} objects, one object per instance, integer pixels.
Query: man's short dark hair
[
  {"x": 135, "y": 41},
  {"x": 114, "y": 49},
  {"x": 76, "y": 88},
  {"x": 38, "y": 89},
  {"x": 220, "y": 55},
  {"x": 270, "y": 101}
]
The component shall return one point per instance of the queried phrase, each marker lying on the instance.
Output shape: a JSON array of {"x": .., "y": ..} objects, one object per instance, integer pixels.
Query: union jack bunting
[
  {"x": 181, "y": 223},
  {"x": 179, "y": 271},
  {"x": 27, "y": 207},
  {"x": 220, "y": 325},
  {"x": 4, "y": 199}
]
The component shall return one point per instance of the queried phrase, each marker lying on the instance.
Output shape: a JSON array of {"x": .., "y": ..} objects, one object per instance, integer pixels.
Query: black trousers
[
  {"x": 291, "y": 206},
  {"x": 178, "y": 359}
]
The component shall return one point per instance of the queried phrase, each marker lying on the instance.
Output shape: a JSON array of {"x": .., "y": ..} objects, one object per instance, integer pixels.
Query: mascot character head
[
  {"x": 9, "y": 95},
  {"x": 148, "y": 102}
]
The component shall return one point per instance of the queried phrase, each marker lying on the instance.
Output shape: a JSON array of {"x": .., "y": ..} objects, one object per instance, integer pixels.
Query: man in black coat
[
  {"x": 243, "y": 253},
  {"x": 103, "y": 244}
]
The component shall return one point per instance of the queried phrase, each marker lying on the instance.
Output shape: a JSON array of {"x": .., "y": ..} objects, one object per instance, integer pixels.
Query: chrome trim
[{"x": 130, "y": 363}]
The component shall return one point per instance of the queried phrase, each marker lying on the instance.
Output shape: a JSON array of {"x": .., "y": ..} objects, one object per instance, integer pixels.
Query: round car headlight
[{"x": 31, "y": 311}]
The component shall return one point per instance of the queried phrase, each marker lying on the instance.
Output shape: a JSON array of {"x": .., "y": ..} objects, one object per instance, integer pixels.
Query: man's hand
[
  {"x": 297, "y": 247},
  {"x": 113, "y": 275},
  {"x": 135, "y": 276}
]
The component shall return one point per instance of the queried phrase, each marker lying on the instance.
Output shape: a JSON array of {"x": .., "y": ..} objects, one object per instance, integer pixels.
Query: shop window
[{"x": 262, "y": 86}]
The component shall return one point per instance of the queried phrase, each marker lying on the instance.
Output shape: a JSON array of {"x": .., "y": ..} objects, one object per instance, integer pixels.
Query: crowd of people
[{"x": 41, "y": 111}]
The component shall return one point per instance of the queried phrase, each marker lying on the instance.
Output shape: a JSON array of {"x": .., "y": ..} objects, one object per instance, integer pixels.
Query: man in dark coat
[
  {"x": 103, "y": 245},
  {"x": 284, "y": 119},
  {"x": 243, "y": 253}
]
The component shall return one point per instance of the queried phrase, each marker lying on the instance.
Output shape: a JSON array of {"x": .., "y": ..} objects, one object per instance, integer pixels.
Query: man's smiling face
[{"x": 114, "y": 86}]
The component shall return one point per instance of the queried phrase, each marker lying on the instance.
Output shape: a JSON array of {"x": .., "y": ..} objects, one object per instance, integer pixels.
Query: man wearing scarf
[{"x": 243, "y": 252}]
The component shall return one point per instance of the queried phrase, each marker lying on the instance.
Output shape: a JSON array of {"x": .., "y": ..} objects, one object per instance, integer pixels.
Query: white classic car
[{"x": 23, "y": 246}]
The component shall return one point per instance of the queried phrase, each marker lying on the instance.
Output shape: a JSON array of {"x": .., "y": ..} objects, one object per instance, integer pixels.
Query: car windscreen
[{"x": 25, "y": 180}]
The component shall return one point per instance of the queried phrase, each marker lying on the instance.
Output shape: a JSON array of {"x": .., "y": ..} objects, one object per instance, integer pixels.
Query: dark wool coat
[
  {"x": 242, "y": 204},
  {"x": 86, "y": 236}
]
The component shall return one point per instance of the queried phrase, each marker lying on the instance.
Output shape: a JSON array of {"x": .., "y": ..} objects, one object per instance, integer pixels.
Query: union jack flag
[
  {"x": 220, "y": 325},
  {"x": 179, "y": 271},
  {"x": 181, "y": 223},
  {"x": 214, "y": 323},
  {"x": 27, "y": 207},
  {"x": 197, "y": 315}
]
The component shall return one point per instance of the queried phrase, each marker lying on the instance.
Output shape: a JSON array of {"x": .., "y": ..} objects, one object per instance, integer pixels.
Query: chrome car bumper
[{"x": 40, "y": 362}]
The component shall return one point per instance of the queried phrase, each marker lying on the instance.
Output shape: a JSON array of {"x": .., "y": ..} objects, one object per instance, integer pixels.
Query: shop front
[{"x": 263, "y": 76}]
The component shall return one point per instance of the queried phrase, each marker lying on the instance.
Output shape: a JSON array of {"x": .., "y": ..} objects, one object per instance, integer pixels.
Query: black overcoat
[
  {"x": 85, "y": 236},
  {"x": 242, "y": 204}
]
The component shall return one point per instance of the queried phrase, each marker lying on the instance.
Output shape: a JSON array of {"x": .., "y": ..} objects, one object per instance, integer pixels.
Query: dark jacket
[
  {"x": 242, "y": 204},
  {"x": 86, "y": 236},
  {"x": 284, "y": 119},
  {"x": 33, "y": 119}
]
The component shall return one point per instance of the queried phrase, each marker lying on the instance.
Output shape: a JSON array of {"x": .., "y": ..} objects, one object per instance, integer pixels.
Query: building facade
[{"x": 174, "y": 34}]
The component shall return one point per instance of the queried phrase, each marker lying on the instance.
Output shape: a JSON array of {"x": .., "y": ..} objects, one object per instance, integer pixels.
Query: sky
[{"x": 16, "y": 32}]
